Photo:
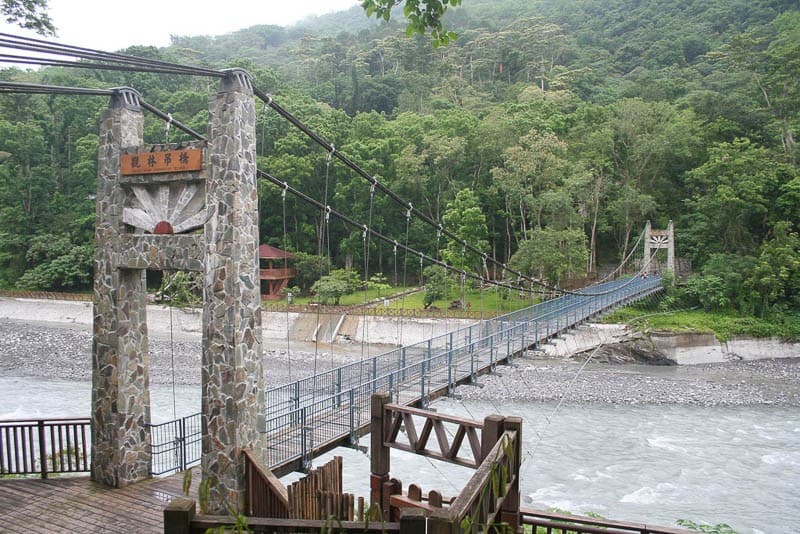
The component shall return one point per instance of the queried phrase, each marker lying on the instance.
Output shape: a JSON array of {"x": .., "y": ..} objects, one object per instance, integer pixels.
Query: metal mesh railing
[
  {"x": 312, "y": 413},
  {"x": 176, "y": 445}
]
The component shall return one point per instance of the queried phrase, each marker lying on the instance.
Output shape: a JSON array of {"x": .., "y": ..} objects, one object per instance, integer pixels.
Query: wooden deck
[{"x": 77, "y": 504}]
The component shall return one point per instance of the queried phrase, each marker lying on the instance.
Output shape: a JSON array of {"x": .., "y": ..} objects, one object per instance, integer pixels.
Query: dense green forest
[{"x": 546, "y": 134}]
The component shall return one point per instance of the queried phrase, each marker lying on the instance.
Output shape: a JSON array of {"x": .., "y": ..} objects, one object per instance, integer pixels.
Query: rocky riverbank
[
  {"x": 58, "y": 347},
  {"x": 739, "y": 383},
  {"x": 50, "y": 350}
]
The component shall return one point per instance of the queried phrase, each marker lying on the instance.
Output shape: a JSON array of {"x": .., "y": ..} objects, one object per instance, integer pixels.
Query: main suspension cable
[{"x": 115, "y": 61}]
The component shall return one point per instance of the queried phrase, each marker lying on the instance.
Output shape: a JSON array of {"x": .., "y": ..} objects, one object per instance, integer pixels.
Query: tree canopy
[
  {"x": 421, "y": 16},
  {"x": 547, "y": 134},
  {"x": 29, "y": 14}
]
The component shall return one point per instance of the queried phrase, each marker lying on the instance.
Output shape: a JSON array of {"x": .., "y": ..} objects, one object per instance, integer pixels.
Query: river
[{"x": 738, "y": 465}]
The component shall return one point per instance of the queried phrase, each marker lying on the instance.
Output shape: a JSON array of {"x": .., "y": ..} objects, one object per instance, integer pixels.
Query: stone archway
[
  {"x": 655, "y": 240},
  {"x": 190, "y": 207}
]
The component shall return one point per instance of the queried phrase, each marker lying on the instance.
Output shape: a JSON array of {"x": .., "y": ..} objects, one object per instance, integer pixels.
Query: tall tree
[
  {"x": 771, "y": 57},
  {"x": 552, "y": 255},
  {"x": 28, "y": 14},
  {"x": 732, "y": 196},
  {"x": 421, "y": 15},
  {"x": 651, "y": 144},
  {"x": 465, "y": 218}
]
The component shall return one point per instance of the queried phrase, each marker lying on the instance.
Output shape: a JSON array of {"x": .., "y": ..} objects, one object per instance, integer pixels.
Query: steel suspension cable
[
  {"x": 25, "y": 60},
  {"x": 624, "y": 261},
  {"x": 270, "y": 101},
  {"x": 286, "y": 267},
  {"x": 167, "y": 117},
  {"x": 40, "y": 89},
  {"x": 421, "y": 255},
  {"x": 48, "y": 47},
  {"x": 405, "y": 271}
]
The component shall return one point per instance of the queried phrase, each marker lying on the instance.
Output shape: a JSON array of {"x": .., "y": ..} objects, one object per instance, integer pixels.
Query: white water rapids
[{"x": 654, "y": 464}]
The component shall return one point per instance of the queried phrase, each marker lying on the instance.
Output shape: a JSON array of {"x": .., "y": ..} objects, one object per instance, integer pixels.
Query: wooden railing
[
  {"x": 276, "y": 274},
  {"x": 491, "y": 497},
  {"x": 180, "y": 518},
  {"x": 40, "y": 446},
  {"x": 434, "y": 425},
  {"x": 552, "y": 523},
  {"x": 319, "y": 495},
  {"x": 379, "y": 311},
  {"x": 46, "y": 295},
  {"x": 266, "y": 495}
]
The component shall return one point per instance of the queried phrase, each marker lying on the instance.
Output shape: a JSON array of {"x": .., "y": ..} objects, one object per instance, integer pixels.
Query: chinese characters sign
[{"x": 187, "y": 159}]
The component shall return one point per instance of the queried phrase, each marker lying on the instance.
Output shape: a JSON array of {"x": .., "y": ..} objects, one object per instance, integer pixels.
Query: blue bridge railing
[{"x": 318, "y": 412}]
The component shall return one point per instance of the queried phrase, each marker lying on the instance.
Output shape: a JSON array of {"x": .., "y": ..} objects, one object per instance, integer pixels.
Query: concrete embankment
[
  {"x": 618, "y": 344},
  {"x": 705, "y": 348},
  {"x": 302, "y": 327},
  {"x": 185, "y": 324}
]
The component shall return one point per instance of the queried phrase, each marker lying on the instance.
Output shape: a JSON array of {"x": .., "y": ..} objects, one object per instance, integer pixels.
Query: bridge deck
[{"x": 77, "y": 504}]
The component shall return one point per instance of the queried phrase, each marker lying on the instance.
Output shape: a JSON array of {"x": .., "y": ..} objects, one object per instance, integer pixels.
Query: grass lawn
[
  {"x": 359, "y": 297},
  {"x": 723, "y": 325},
  {"x": 488, "y": 300}
]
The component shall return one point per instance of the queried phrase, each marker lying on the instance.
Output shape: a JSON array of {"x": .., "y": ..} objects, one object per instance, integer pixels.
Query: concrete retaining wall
[{"x": 705, "y": 348}]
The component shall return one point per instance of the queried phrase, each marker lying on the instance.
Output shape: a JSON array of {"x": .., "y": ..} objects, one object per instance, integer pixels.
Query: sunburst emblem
[
  {"x": 659, "y": 240},
  {"x": 166, "y": 208}
]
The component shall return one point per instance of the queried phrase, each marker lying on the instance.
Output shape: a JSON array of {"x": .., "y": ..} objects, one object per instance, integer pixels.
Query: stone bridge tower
[
  {"x": 191, "y": 207},
  {"x": 659, "y": 239}
]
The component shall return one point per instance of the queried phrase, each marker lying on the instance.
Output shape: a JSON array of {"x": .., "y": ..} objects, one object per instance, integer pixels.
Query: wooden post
[
  {"x": 178, "y": 516},
  {"x": 492, "y": 430},
  {"x": 435, "y": 499},
  {"x": 412, "y": 521},
  {"x": 379, "y": 453},
  {"x": 440, "y": 522},
  {"x": 392, "y": 487},
  {"x": 509, "y": 513},
  {"x": 415, "y": 493},
  {"x": 43, "y": 449}
]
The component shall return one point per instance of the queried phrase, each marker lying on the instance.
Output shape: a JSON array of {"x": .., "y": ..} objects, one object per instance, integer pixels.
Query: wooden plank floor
[{"x": 76, "y": 504}]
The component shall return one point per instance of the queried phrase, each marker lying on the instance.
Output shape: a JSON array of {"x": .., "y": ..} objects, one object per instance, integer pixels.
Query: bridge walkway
[{"x": 317, "y": 413}]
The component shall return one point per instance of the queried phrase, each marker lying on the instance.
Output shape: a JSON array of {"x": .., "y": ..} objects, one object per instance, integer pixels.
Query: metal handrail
[
  {"x": 313, "y": 413},
  {"x": 44, "y": 446}
]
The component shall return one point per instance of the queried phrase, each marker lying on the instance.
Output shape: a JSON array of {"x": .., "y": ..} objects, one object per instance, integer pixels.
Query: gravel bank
[
  {"x": 64, "y": 351},
  {"x": 53, "y": 350},
  {"x": 736, "y": 383}
]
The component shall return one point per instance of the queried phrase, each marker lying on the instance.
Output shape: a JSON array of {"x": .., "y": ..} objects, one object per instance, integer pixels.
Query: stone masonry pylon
[
  {"x": 120, "y": 376},
  {"x": 189, "y": 207},
  {"x": 659, "y": 239},
  {"x": 233, "y": 375}
]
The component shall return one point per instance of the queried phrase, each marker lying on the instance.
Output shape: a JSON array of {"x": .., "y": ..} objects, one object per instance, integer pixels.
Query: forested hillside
[{"x": 547, "y": 134}]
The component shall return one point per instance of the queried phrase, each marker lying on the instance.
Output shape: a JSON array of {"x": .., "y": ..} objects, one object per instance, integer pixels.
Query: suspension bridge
[{"x": 316, "y": 413}]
